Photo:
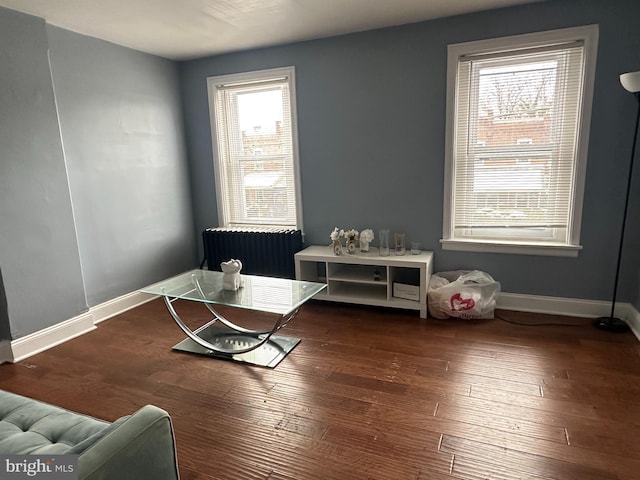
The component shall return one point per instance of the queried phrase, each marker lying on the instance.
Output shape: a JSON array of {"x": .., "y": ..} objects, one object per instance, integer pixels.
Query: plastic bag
[{"x": 462, "y": 294}]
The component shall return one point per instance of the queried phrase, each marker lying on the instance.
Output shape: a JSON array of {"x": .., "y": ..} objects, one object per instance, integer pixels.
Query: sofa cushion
[{"x": 31, "y": 427}]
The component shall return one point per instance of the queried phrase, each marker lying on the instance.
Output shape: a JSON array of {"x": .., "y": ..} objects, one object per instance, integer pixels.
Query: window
[
  {"x": 255, "y": 148},
  {"x": 518, "y": 115}
]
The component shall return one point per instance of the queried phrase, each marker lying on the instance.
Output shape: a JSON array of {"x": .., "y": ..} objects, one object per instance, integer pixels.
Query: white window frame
[
  {"x": 589, "y": 36},
  {"x": 287, "y": 73}
]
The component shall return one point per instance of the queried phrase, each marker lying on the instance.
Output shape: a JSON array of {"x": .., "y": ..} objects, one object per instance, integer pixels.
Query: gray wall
[
  {"x": 94, "y": 195},
  {"x": 121, "y": 120},
  {"x": 38, "y": 244},
  {"x": 371, "y": 118},
  {"x": 631, "y": 258}
]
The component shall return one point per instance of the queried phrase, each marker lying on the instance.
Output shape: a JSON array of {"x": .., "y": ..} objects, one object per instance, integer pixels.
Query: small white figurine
[{"x": 231, "y": 280}]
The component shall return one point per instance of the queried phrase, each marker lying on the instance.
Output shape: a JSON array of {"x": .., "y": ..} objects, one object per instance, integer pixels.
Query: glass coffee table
[{"x": 221, "y": 338}]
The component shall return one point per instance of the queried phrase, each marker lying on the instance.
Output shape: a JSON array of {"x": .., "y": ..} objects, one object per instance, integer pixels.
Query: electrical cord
[{"x": 541, "y": 324}]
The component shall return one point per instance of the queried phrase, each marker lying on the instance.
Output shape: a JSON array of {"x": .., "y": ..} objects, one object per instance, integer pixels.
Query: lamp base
[{"x": 611, "y": 324}]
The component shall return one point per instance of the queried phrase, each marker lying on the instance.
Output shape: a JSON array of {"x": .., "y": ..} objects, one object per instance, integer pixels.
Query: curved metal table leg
[
  {"x": 219, "y": 317},
  {"x": 262, "y": 336}
]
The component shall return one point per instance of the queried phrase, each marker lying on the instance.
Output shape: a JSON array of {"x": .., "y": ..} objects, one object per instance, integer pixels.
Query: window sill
[{"x": 519, "y": 248}]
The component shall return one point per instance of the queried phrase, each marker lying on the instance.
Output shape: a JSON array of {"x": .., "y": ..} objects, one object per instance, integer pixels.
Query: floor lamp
[{"x": 631, "y": 82}]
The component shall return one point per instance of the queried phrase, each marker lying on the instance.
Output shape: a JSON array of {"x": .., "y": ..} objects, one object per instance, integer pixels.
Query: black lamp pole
[{"x": 611, "y": 323}]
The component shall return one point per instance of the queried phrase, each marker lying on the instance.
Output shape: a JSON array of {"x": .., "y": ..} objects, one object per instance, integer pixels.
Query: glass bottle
[
  {"x": 399, "y": 239},
  {"x": 384, "y": 243}
]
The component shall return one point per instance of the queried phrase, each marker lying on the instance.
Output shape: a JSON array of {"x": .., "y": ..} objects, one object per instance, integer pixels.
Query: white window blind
[
  {"x": 256, "y": 148},
  {"x": 515, "y": 157}
]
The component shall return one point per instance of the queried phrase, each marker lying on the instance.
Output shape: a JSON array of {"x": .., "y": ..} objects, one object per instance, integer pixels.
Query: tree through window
[{"x": 517, "y": 129}]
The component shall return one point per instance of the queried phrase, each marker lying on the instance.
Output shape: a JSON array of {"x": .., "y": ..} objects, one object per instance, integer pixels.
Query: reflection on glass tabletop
[{"x": 267, "y": 294}]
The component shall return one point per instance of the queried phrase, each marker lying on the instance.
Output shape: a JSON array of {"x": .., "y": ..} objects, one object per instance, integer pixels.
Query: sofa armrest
[{"x": 142, "y": 446}]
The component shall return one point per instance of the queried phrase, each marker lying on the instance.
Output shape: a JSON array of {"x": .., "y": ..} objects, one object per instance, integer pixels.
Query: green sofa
[{"x": 138, "y": 446}]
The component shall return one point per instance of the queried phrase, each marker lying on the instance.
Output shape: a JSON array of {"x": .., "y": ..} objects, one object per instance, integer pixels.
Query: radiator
[{"x": 262, "y": 251}]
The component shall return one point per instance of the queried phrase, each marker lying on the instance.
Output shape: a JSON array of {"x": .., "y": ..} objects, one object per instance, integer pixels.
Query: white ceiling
[{"x": 187, "y": 29}]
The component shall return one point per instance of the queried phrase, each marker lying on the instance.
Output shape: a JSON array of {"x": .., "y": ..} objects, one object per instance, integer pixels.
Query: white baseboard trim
[
  {"x": 119, "y": 305},
  {"x": 5, "y": 351},
  {"x": 42, "y": 340},
  {"x": 572, "y": 307},
  {"x": 633, "y": 320}
]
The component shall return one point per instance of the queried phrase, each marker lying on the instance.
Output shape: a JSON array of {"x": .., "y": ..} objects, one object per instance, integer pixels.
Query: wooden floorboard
[{"x": 368, "y": 394}]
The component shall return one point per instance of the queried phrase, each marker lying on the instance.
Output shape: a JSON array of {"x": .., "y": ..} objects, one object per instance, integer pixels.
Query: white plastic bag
[{"x": 462, "y": 294}]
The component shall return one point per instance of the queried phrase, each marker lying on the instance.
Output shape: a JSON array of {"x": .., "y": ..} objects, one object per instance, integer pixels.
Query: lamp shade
[{"x": 631, "y": 81}]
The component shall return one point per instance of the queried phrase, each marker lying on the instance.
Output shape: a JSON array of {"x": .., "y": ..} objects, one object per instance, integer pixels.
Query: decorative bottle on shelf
[
  {"x": 384, "y": 243},
  {"x": 336, "y": 241},
  {"x": 336, "y": 246},
  {"x": 351, "y": 237},
  {"x": 399, "y": 241}
]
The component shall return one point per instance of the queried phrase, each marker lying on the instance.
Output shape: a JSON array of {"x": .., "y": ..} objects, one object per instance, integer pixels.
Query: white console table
[{"x": 368, "y": 278}]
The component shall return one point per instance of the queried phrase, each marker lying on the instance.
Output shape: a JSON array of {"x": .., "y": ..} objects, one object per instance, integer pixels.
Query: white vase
[{"x": 364, "y": 246}]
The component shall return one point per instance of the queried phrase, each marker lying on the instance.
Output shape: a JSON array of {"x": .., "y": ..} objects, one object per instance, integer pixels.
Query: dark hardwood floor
[{"x": 368, "y": 394}]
